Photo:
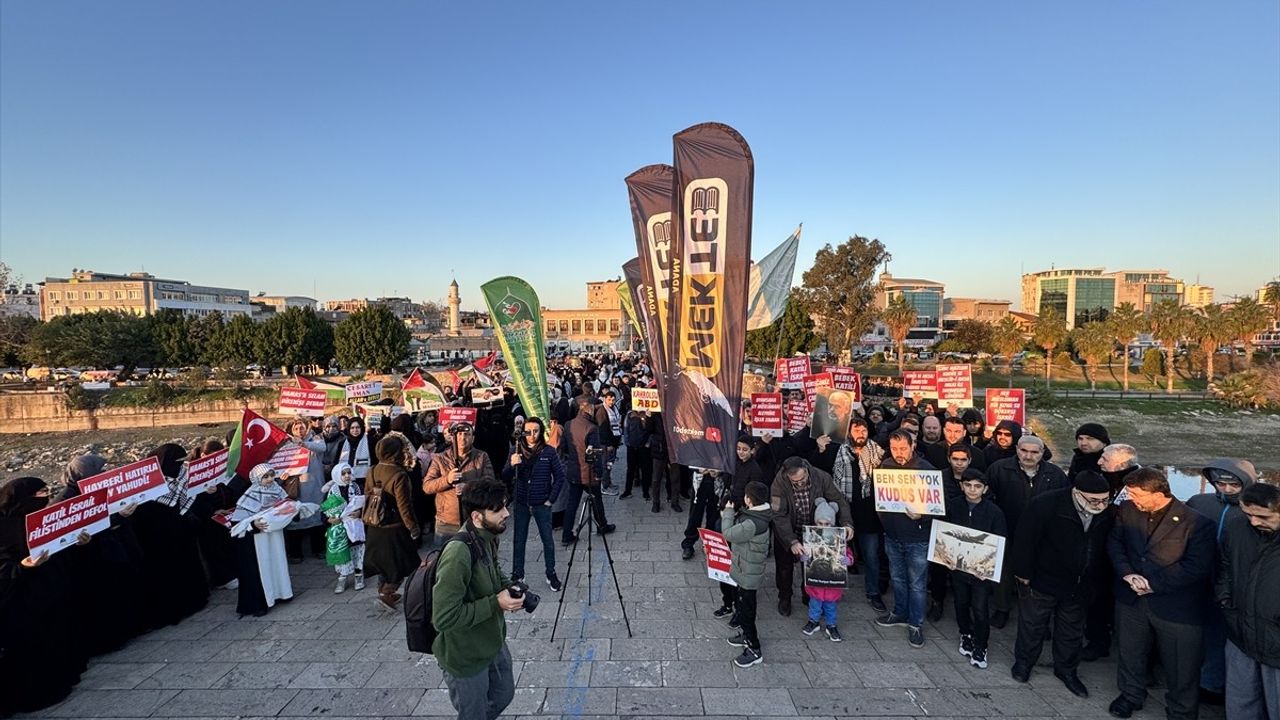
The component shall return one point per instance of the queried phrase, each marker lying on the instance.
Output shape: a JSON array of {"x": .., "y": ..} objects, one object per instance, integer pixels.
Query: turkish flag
[{"x": 255, "y": 441}]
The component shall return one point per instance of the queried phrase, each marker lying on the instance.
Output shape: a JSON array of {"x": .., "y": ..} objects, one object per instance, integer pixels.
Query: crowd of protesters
[{"x": 1100, "y": 557}]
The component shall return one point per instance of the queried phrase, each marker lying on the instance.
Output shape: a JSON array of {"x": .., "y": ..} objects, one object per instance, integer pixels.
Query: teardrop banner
[
  {"x": 517, "y": 316},
  {"x": 707, "y": 314},
  {"x": 650, "y": 190},
  {"x": 630, "y": 294}
]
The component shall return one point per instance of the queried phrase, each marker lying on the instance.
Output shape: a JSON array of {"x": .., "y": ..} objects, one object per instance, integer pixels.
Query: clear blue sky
[{"x": 376, "y": 148}]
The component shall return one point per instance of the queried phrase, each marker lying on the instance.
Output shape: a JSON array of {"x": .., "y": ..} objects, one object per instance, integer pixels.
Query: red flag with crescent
[{"x": 255, "y": 441}]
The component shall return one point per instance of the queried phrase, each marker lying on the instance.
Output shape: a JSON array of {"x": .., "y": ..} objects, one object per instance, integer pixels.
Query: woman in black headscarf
[
  {"x": 173, "y": 577},
  {"x": 216, "y": 548},
  {"x": 41, "y": 656},
  {"x": 108, "y": 571}
]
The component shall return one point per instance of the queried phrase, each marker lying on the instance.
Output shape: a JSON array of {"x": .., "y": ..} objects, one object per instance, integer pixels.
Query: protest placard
[
  {"x": 843, "y": 378},
  {"x": 970, "y": 551},
  {"x": 831, "y": 413},
  {"x": 363, "y": 390},
  {"x": 954, "y": 384},
  {"x": 797, "y": 414},
  {"x": 290, "y": 459},
  {"x": 373, "y": 413},
  {"x": 789, "y": 372},
  {"x": 766, "y": 414},
  {"x": 451, "y": 415},
  {"x": 1005, "y": 404},
  {"x": 812, "y": 383},
  {"x": 486, "y": 396},
  {"x": 824, "y": 552},
  {"x": 207, "y": 471},
  {"x": 753, "y": 383},
  {"x": 915, "y": 491},
  {"x": 646, "y": 400},
  {"x": 302, "y": 401},
  {"x": 719, "y": 556},
  {"x": 920, "y": 384},
  {"x": 57, "y": 526},
  {"x": 131, "y": 484}
]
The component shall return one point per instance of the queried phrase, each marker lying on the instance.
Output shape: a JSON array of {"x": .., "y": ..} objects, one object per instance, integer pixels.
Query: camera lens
[{"x": 531, "y": 601}]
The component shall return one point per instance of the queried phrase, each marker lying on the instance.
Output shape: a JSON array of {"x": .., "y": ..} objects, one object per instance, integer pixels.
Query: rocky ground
[{"x": 44, "y": 454}]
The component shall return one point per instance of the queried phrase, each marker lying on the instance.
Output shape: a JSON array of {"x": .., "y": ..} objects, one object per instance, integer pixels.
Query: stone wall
[{"x": 47, "y": 412}]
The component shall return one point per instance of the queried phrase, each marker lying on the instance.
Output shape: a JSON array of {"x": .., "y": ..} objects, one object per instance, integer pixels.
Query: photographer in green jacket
[{"x": 468, "y": 601}]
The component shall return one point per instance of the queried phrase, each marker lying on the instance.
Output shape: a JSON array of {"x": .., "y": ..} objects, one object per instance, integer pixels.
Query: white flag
[{"x": 771, "y": 283}]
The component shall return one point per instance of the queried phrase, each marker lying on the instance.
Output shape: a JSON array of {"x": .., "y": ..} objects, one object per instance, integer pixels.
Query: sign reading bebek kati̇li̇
[
  {"x": 57, "y": 526},
  {"x": 128, "y": 485},
  {"x": 646, "y": 399},
  {"x": 719, "y": 556},
  {"x": 914, "y": 491}
]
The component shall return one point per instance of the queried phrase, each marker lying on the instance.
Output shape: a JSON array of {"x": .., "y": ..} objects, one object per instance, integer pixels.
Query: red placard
[
  {"x": 920, "y": 384},
  {"x": 719, "y": 556},
  {"x": 57, "y": 526},
  {"x": 302, "y": 401},
  {"x": 450, "y": 415},
  {"x": 798, "y": 414},
  {"x": 1006, "y": 404},
  {"x": 789, "y": 372},
  {"x": 766, "y": 414},
  {"x": 208, "y": 470},
  {"x": 290, "y": 459},
  {"x": 813, "y": 383},
  {"x": 133, "y": 483},
  {"x": 843, "y": 378},
  {"x": 955, "y": 385}
]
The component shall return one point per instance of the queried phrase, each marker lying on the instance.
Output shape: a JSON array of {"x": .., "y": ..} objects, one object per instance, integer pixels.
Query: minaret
[{"x": 455, "y": 301}]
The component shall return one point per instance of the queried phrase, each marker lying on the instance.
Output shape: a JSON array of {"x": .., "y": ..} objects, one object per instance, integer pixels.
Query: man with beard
[
  {"x": 953, "y": 433},
  {"x": 1248, "y": 591},
  {"x": 1091, "y": 439},
  {"x": 907, "y": 545},
  {"x": 931, "y": 443},
  {"x": 974, "y": 428},
  {"x": 1115, "y": 463},
  {"x": 581, "y": 435},
  {"x": 1014, "y": 481},
  {"x": 449, "y": 474},
  {"x": 853, "y": 474},
  {"x": 1163, "y": 555},
  {"x": 1004, "y": 440},
  {"x": 1229, "y": 478},
  {"x": 468, "y": 599},
  {"x": 1057, "y": 557},
  {"x": 795, "y": 488}
]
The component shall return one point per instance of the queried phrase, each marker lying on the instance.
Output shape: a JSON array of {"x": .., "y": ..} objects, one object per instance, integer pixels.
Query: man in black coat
[
  {"x": 1014, "y": 481},
  {"x": 1163, "y": 555},
  {"x": 1058, "y": 557},
  {"x": 795, "y": 488},
  {"x": 1248, "y": 591}
]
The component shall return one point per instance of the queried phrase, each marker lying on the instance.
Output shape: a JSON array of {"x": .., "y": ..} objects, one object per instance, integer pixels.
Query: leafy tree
[
  {"x": 1125, "y": 322},
  {"x": 102, "y": 339},
  {"x": 174, "y": 345},
  {"x": 841, "y": 289},
  {"x": 1007, "y": 339},
  {"x": 899, "y": 316},
  {"x": 1152, "y": 364},
  {"x": 974, "y": 336},
  {"x": 1271, "y": 297},
  {"x": 1169, "y": 323},
  {"x": 15, "y": 333},
  {"x": 1247, "y": 318},
  {"x": 1049, "y": 332},
  {"x": 1094, "y": 343},
  {"x": 1209, "y": 328},
  {"x": 796, "y": 326},
  {"x": 293, "y": 338},
  {"x": 372, "y": 338},
  {"x": 204, "y": 335},
  {"x": 236, "y": 343}
]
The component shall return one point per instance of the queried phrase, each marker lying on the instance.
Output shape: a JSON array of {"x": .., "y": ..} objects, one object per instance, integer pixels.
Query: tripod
[{"x": 586, "y": 519}]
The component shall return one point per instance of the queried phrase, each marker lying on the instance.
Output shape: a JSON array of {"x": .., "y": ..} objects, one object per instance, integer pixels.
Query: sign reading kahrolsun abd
[
  {"x": 707, "y": 315},
  {"x": 517, "y": 316}
]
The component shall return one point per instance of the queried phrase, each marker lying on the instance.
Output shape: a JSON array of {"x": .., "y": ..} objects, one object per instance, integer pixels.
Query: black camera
[{"x": 518, "y": 589}]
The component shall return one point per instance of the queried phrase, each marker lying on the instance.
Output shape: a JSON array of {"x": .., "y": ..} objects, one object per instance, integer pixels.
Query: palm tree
[
  {"x": 1209, "y": 328},
  {"x": 1094, "y": 343},
  {"x": 1247, "y": 318},
  {"x": 1049, "y": 332},
  {"x": 1271, "y": 297},
  {"x": 1125, "y": 322},
  {"x": 899, "y": 316},
  {"x": 1169, "y": 323},
  {"x": 1007, "y": 339}
]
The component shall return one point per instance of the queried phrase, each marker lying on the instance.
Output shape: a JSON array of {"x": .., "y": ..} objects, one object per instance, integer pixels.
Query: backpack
[
  {"x": 420, "y": 632},
  {"x": 374, "y": 513}
]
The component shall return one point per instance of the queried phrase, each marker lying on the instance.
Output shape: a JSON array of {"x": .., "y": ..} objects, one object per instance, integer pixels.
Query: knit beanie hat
[
  {"x": 1095, "y": 431},
  {"x": 823, "y": 510},
  {"x": 1091, "y": 482}
]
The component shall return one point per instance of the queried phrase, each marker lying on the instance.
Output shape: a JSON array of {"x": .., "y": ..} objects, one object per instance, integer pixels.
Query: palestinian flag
[
  {"x": 422, "y": 392},
  {"x": 255, "y": 441},
  {"x": 336, "y": 392},
  {"x": 483, "y": 363},
  {"x": 472, "y": 371}
]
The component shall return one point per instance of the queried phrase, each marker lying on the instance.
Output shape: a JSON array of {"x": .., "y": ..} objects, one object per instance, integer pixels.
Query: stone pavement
[{"x": 340, "y": 656}]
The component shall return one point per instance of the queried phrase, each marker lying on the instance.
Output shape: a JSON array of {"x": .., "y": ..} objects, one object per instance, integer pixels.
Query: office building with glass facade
[{"x": 1080, "y": 295}]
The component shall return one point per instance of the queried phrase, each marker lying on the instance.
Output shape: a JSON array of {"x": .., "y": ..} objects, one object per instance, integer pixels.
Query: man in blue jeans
[
  {"x": 907, "y": 545},
  {"x": 538, "y": 476}
]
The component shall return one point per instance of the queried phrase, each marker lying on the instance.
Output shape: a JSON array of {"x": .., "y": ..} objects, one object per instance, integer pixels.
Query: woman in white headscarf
[{"x": 263, "y": 570}]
